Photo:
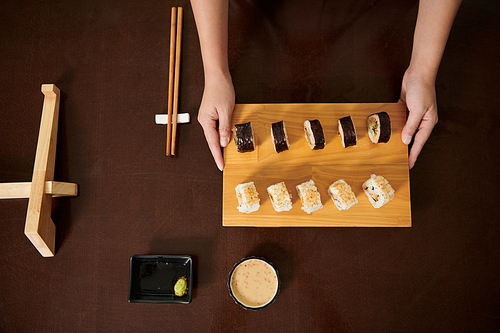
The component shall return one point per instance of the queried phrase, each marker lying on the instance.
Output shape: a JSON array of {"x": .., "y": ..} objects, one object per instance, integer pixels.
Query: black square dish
[{"x": 152, "y": 278}]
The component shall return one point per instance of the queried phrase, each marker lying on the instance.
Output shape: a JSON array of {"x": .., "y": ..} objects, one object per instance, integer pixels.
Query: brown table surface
[{"x": 110, "y": 60}]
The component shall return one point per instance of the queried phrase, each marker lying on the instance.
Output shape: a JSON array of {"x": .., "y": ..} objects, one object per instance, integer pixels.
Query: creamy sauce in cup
[{"x": 254, "y": 283}]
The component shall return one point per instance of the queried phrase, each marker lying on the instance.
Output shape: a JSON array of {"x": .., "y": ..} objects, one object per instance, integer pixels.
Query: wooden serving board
[{"x": 354, "y": 164}]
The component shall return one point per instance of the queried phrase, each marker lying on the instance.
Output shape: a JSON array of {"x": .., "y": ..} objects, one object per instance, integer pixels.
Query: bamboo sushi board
[{"x": 354, "y": 164}]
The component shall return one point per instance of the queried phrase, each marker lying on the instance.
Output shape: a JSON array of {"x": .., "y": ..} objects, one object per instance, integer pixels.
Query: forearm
[
  {"x": 212, "y": 23},
  {"x": 434, "y": 21}
]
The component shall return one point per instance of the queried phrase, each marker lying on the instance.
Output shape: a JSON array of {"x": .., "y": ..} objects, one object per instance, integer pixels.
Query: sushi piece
[
  {"x": 243, "y": 137},
  {"x": 378, "y": 190},
  {"x": 342, "y": 195},
  {"x": 347, "y": 132},
  {"x": 281, "y": 198},
  {"x": 309, "y": 196},
  {"x": 379, "y": 127},
  {"x": 280, "y": 138},
  {"x": 248, "y": 198},
  {"x": 314, "y": 134}
]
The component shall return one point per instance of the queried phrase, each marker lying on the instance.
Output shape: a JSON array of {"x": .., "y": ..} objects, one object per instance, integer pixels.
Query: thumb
[
  {"x": 412, "y": 123},
  {"x": 224, "y": 128}
]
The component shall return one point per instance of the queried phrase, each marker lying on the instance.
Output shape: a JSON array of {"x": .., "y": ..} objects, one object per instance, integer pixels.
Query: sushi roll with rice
[
  {"x": 280, "y": 138},
  {"x": 248, "y": 198},
  {"x": 379, "y": 127},
  {"x": 243, "y": 137},
  {"x": 347, "y": 132},
  {"x": 378, "y": 190},
  {"x": 314, "y": 134},
  {"x": 309, "y": 196},
  {"x": 281, "y": 198},
  {"x": 342, "y": 195}
]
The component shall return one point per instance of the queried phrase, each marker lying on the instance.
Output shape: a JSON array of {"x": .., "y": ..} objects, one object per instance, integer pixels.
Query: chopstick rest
[{"x": 182, "y": 118}]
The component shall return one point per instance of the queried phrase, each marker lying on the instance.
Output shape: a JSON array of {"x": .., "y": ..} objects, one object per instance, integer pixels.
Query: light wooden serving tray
[{"x": 355, "y": 164}]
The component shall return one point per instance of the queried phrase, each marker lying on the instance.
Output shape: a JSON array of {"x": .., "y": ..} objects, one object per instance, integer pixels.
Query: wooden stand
[{"x": 39, "y": 227}]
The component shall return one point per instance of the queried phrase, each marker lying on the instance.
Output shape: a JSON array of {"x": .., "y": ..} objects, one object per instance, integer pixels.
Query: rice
[
  {"x": 309, "y": 196},
  {"x": 248, "y": 198},
  {"x": 342, "y": 195},
  {"x": 281, "y": 198},
  {"x": 378, "y": 190}
]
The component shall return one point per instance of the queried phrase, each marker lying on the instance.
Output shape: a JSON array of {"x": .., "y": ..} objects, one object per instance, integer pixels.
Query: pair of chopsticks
[{"x": 173, "y": 77}]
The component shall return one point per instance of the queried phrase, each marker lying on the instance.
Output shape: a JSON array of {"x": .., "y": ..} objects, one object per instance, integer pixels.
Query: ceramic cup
[{"x": 254, "y": 283}]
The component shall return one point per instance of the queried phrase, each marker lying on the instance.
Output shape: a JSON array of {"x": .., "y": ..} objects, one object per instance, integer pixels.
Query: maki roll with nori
[
  {"x": 347, "y": 132},
  {"x": 314, "y": 134},
  {"x": 280, "y": 138},
  {"x": 379, "y": 127},
  {"x": 243, "y": 137}
]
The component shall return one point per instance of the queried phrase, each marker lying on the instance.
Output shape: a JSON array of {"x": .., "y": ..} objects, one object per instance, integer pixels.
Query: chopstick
[
  {"x": 173, "y": 78},
  {"x": 177, "y": 76}
]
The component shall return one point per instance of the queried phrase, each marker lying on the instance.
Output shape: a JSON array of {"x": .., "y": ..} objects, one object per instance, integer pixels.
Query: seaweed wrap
[
  {"x": 280, "y": 138},
  {"x": 314, "y": 134},
  {"x": 379, "y": 127},
  {"x": 347, "y": 132},
  {"x": 243, "y": 137}
]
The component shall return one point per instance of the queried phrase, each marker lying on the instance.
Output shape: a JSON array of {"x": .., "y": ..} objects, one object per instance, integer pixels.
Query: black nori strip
[
  {"x": 319, "y": 136},
  {"x": 244, "y": 137},
  {"x": 349, "y": 131},
  {"x": 385, "y": 127},
  {"x": 279, "y": 136}
]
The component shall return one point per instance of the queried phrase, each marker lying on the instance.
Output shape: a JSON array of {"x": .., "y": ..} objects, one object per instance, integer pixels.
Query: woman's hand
[
  {"x": 418, "y": 89},
  {"x": 215, "y": 113},
  {"x": 419, "y": 94},
  {"x": 218, "y": 99}
]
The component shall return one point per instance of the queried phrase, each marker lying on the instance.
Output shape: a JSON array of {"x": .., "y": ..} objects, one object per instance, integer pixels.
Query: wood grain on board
[{"x": 355, "y": 164}]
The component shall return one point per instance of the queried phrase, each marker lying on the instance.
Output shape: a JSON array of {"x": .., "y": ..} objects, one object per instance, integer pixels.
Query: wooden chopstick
[
  {"x": 176, "y": 77},
  {"x": 171, "y": 77}
]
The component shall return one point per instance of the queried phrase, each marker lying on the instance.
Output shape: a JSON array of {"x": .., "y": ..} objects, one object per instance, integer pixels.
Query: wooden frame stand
[{"x": 39, "y": 227}]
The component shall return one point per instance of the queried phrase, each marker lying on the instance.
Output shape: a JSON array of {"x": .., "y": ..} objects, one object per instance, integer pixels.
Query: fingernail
[
  {"x": 220, "y": 167},
  {"x": 406, "y": 139},
  {"x": 224, "y": 142}
]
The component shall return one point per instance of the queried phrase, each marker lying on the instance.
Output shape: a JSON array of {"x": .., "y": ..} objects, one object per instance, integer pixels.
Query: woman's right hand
[{"x": 215, "y": 113}]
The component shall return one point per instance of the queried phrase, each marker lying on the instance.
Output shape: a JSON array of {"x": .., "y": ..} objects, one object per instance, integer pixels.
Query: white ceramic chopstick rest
[{"x": 182, "y": 118}]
